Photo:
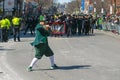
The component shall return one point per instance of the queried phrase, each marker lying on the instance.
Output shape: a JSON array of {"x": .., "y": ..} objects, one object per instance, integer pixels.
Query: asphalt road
[{"x": 94, "y": 57}]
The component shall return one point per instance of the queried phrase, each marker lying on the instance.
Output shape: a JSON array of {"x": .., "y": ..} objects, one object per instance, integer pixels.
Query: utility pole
[
  {"x": 102, "y": 9},
  {"x": 3, "y": 7},
  {"x": 95, "y": 7},
  {"x": 111, "y": 7},
  {"x": 115, "y": 7}
]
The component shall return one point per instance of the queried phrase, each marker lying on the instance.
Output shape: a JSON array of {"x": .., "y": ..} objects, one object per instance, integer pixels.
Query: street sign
[
  {"x": 9, "y": 5},
  {"x": 83, "y": 5}
]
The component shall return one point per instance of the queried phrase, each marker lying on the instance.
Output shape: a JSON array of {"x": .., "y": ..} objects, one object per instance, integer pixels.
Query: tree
[
  {"x": 45, "y": 3},
  {"x": 50, "y": 5},
  {"x": 115, "y": 7},
  {"x": 18, "y": 7},
  {"x": 73, "y": 6},
  {"x": 1, "y": 0}
]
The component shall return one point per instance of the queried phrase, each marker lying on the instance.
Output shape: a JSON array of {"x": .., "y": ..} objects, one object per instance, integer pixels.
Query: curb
[{"x": 109, "y": 33}]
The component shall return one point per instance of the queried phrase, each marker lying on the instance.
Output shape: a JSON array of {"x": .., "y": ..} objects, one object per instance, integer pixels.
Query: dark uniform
[
  {"x": 74, "y": 25},
  {"x": 93, "y": 21},
  {"x": 80, "y": 22},
  {"x": 87, "y": 25},
  {"x": 68, "y": 26},
  {"x": 29, "y": 25}
]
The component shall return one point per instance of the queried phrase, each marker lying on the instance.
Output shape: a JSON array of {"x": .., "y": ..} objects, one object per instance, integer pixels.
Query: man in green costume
[{"x": 41, "y": 45}]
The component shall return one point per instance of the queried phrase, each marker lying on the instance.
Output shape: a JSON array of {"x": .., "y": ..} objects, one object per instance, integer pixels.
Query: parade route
[
  {"x": 59, "y": 39},
  {"x": 94, "y": 57}
]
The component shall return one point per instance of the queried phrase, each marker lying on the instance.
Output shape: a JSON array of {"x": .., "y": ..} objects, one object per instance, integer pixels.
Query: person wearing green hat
[
  {"x": 41, "y": 17},
  {"x": 41, "y": 45}
]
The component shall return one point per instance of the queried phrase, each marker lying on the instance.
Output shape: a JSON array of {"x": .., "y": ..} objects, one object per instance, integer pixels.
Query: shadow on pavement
[
  {"x": 28, "y": 35},
  {"x": 6, "y": 49},
  {"x": 74, "y": 67},
  {"x": 1, "y": 46},
  {"x": 67, "y": 67}
]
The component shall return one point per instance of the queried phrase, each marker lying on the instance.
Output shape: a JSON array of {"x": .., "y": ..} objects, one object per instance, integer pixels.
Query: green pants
[{"x": 43, "y": 49}]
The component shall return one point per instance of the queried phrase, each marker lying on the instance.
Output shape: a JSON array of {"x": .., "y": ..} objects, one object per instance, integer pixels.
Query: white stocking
[
  {"x": 33, "y": 62},
  {"x": 52, "y": 60}
]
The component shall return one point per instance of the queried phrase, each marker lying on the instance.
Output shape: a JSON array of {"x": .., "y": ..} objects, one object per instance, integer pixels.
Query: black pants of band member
[
  {"x": 16, "y": 33},
  {"x": 4, "y": 35}
]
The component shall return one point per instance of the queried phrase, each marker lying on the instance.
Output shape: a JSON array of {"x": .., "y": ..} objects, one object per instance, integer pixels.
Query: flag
[{"x": 83, "y": 5}]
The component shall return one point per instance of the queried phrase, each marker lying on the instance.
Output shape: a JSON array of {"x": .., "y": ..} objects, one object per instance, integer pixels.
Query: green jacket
[
  {"x": 100, "y": 21},
  {"x": 40, "y": 36}
]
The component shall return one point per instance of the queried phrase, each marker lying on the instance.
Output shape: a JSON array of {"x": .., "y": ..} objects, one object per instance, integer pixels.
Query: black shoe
[
  {"x": 54, "y": 67},
  {"x": 18, "y": 40},
  {"x": 14, "y": 40},
  {"x": 29, "y": 69}
]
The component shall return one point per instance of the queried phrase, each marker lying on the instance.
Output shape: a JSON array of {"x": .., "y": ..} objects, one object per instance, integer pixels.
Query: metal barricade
[
  {"x": 117, "y": 28},
  {"x": 109, "y": 26},
  {"x": 104, "y": 26}
]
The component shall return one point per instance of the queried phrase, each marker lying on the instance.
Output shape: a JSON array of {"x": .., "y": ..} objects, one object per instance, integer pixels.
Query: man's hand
[{"x": 47, "y": 27}]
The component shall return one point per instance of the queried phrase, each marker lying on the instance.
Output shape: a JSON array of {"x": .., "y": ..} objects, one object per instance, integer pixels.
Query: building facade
[{"x": 103, "y": 6}]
